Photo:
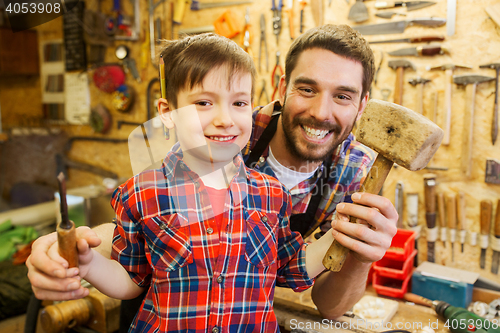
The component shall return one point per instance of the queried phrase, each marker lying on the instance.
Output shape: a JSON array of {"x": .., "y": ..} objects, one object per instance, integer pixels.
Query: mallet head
[{"x": 399, "y": 134}]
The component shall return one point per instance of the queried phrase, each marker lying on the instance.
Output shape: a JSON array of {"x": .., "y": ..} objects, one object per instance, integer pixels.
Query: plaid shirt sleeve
[
  {"x": 128, "y": 243},
  {"x": 292, "y": 271}
]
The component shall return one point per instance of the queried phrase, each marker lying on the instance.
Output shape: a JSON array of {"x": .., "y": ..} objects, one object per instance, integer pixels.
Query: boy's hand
[
  {"x": 47, "y": 270},
  {"x": 370, "y": 238}
]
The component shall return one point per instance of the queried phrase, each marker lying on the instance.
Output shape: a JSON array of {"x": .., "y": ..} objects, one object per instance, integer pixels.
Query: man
[{"x": 328, "y": 72}]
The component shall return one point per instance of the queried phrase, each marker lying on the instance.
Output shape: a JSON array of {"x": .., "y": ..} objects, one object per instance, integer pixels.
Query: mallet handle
[{"x": 336, "y": 255}]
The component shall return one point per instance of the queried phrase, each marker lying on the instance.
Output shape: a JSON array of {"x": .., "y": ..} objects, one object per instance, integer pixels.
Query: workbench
[{"x": 296, "y": 310}]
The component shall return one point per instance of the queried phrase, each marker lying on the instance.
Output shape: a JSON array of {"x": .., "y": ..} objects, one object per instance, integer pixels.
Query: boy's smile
[{"x": 213, "y": 121}]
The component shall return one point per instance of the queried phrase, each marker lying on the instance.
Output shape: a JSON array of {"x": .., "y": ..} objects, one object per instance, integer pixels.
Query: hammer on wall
[
  {"x": 494, "y": 123},
  {"x": 399, "y": 135},
  {"x": 400, "y": 66},
  {"x": 470, "y": 82}
]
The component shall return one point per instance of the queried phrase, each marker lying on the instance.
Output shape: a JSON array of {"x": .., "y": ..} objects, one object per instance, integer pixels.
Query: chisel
[
  {"x": 485, "y": 218},
  {"x": 451, "y": 209},
  {"x": 442, "y": 217},
  {"x": 66, "y": 234},
  {"x": 461, "y": 218},
  {"x": 430, "y": 214},
  {"x": 495, "y": 242},
  {"x": 412, "y": 219}
]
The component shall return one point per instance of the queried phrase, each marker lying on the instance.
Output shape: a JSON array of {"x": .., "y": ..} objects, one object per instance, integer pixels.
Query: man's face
[
  {"x": 213, "y": 121},
  {"x": 321, "y": 103}
]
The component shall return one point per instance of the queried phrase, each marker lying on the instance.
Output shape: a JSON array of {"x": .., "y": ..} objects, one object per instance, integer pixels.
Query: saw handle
[
  {"x": 486, "y": 209},
  {"x": 336, "y": 255}
]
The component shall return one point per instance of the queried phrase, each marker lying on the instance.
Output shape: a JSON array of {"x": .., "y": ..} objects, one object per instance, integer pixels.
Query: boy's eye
[
  {"x": 202, "y": 103},
  {"x": 240, "y": 104}
]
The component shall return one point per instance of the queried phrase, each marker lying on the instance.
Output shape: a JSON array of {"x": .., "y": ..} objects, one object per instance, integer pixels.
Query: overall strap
[{"x": 263, "y": 141}]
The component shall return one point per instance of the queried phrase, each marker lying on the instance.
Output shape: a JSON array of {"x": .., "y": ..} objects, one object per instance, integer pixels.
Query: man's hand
[
  {"x": 48, "y": 272},
  {"x": 370, "y": 238}
]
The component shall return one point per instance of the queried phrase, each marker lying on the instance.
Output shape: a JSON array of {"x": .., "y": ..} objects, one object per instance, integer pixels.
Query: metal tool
[
  {"x": 302, "y": 4},
  {"x": 198, "y": 5},
  {"x": 451, "y": 16},
  {"x": 385, "y": 92},
  {"x": 492, "y": 173},
  {"x": 66, "y": 233},
  {"x": 122, "y": 53},
  {"x": 289, "y": 9},
  {"x": 263, "y": 41},
  {"x": 375, "y": 77},
  {"x": 276, "y": 75},
  {"x": 494, "y": 122},
  {"x": 358, "y": 12},
  {"x": 461, "y": 218},
  {"x": 451, "y": 210},
  {"x": 246, "y": 34},
  {"x": 448, "y": 68},
  {"x": 398, "y": 26},
  {"x": 411, "y": 40},
  {"x": 430, "y": 214},
  {"x": 385, "y": 127},
  {"x": 428, "y": 50},
  {"x": 495, "y": 242},
  {"x": 399, "y": 66},
  {"x": 152, "y": 7},
  {"x": 485, "y": 219},
  {"x": 419, "y": 83},
  {"x": 388, "y": 15},
  {"x": 277, "y": 19},
  {"x": 409, "y": 5},
  {"x": 263, "y": 92},
  {"x": 471, "y": 82},
  {"x": 398, "y": 203}
]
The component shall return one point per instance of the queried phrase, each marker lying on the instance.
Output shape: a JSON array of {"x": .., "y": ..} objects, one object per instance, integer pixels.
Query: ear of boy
[{"x": 165, "y": 113}]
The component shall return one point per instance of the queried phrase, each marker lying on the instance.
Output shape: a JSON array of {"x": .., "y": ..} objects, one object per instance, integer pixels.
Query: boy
[{"x": 209, "y": 237}]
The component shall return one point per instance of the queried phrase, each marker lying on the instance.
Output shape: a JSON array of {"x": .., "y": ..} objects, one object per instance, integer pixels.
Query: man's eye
[
  {"x": 343, "y": 97},
  {"x": 306, "y": 90}
]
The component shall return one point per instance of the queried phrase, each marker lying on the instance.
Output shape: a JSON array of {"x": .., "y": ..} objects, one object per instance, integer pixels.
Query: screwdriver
[{"x": 66, "y": 233}]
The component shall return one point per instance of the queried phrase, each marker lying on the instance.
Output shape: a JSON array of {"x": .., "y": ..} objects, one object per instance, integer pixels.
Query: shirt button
[
  {"x": 264, "y": 219},
  {"x": 219, "y": 279},
  {"x": 210, "y": 231},
  {"x": 182, "y": 165},
  {"x": 215, "y": 330},
  {"x": 262, "y": 159},
  {"x": 197, "y": 184},
  {"x": 163, "y": 226}
]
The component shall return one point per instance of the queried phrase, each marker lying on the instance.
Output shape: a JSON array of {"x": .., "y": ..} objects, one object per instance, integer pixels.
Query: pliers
[
  {"x": 276, "y": 75},
  {"x": 246, "y": 35},
  {"x": 263, "y": 41},
  {"x": 263, "y": 92},
  {"x": 277, "y": 19}
]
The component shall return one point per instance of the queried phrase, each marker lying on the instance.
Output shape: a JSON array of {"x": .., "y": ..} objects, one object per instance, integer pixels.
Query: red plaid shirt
[{"x": 167, "y": 239}]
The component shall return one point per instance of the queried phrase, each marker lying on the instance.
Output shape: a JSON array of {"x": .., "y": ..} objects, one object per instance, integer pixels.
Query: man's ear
[
  {"x": 362, "y": 105},
  {"x": 165, "y": 113},
  {"x": 282, "y": 89}
]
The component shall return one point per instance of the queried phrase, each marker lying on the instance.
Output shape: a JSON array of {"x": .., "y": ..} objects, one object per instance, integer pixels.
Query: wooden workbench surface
[{"x": 296, "y": 310}]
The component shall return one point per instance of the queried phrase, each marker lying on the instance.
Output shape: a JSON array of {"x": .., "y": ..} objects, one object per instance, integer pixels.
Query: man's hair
[
  {"x": 341, "y": 40},
  {"x": 188, "y": 61}
]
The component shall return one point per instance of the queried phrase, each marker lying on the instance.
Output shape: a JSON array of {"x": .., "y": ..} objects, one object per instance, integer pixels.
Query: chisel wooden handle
[
  {"x": 441, "y": 210},
  {"x": 451, "y": 210},
  {"x": 485, "y": 218},
  {"x": 497, "y": 221},
  {"x": 336, "y": 255},
  {"x": 430, "y": 192},
  {"x": 66, "y": 238},
  {"x": 461, "y": 216}
]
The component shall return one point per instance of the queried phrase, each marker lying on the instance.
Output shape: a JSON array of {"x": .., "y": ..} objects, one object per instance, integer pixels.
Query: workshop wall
[{"x": 476, "y": 41}]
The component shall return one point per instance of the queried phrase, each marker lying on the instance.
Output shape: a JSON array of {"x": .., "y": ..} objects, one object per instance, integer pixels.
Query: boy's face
[{"x": 213, "y": 121}]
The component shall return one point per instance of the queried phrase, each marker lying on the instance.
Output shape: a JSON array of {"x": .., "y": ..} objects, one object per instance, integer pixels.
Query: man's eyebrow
[
  {"x": 353, "y": 90},
  {"x": 304, "y": 80}
]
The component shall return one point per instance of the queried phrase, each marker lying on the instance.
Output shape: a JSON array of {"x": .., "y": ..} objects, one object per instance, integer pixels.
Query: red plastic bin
[
  {"x": 395, "y": 268},
  {"x": 402, "y": 246},
  {"x": 390, "y": 287}
]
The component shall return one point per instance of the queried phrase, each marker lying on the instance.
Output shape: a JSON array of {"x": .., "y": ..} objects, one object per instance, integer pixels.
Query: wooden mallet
[{"x": 399, "y": 135}]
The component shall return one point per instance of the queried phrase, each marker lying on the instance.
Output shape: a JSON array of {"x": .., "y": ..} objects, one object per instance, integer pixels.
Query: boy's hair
[
  {"x": 188, "y": 61},
  {"x": 341, "y": 40}
]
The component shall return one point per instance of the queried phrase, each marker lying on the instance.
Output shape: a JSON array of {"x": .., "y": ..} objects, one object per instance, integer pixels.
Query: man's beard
[{"x": 309, "y": 152}]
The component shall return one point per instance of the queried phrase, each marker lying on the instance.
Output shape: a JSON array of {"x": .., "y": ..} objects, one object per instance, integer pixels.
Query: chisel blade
[
  {"x": 430, "y": 252},
  {"x": 495, "y": 260},
  {"x": 482, "y": 259}
]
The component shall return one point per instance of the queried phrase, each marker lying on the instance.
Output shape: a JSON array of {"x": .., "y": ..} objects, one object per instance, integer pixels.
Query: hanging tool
[
  {"x": 442, "y": 217},
  {"x": 358, "y": 12},
  {"x": 317, "y": 12},
  {"x": 451, "y": 209},
  {"x": 412, "y": 219},
  {"x": 400, "y": 66},
  {"x": 409, "y": 5},
  {"x": 263, "y": 41},
  {"x": 388, "y": 15},
  {"x": 398, "y": 203},
  {"x": 461, "y": 218},
  {"x": 485, "y": 218},
  {"x": 179, "y": 12},
  {"x": 263, "y": 91},
  {"x": 276, "y": 75},
  {"x": 419, "y": 83},
  {"x": 458, "y": 320},
  {"x": 389, "y": 129},
  {"x": 375, "y": 77},
  {"x": 197, "y": 5},
  {"x": 66, "y": 233},
  {"x": 227, "y": 25},
  {"x": 495, "y": 242},
  {"x": 246, "y": 40},
  {"x": 411, "y": 40},
  {"x": 302, "y": 4},
  {"x": 122, "y": 52},
  {"x": 494, "y": 123},
  {"x": 398, "y": 26},
  {"x": 471, "y": 82},
  {"x": 451, "y": 16},
  {"x": 277, "y": 19},
  {"x": 428, "y": 50},
  {"x": 448, "y": 68},
  {"x": 290, "y": 18},
  {"x": 430, "y": 214}
]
